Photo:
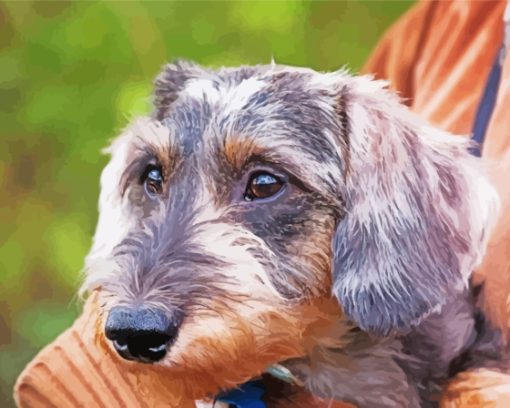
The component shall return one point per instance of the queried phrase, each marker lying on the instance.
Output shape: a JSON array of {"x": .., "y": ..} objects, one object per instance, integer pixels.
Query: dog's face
[{"x": 255, "y": 199}]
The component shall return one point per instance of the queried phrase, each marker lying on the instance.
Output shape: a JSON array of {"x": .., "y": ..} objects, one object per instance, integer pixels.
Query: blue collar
[{"x": 248, "y": 395}]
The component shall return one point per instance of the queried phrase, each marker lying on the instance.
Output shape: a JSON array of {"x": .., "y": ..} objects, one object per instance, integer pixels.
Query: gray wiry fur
[{"x": 380, "y": 210}]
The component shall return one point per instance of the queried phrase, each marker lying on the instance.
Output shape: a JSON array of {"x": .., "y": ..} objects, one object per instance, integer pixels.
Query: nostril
[
  {"x": 140, "y": 334},
  {"x": 120, "y": 345},
  {"x": 149, "y": 346},
  {"x": 122, "y": 349}
]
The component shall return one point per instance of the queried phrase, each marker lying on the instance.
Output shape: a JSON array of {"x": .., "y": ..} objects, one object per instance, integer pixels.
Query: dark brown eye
[
  {"x": 153, "y": 180},
  {"x": 262, "y": 185}
]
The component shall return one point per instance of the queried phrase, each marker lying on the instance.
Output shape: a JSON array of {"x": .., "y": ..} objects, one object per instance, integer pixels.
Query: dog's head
[{"x": 254, "y": 196}]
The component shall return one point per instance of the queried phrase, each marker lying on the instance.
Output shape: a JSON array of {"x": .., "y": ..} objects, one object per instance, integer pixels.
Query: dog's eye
[
  {"x": 153, "y": 180},
  {"x": 262, "y": 185}
]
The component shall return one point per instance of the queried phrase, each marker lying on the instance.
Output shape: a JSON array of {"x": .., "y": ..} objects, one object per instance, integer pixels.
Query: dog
[{"x": 276, "y": 215}]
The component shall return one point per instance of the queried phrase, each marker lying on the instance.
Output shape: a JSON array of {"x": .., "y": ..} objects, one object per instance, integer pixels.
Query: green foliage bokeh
[{"x": 71, "y": 75}]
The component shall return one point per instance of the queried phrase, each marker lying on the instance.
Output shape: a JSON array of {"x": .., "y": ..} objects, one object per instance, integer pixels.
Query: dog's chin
[
  {"x": 209, "y": 364},
  {"x": 207, "y": 382},
  {"x": 218, "y": 354}
]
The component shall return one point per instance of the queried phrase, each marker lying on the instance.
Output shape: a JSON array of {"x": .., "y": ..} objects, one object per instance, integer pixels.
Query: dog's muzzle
[{"x": 141, "y": 334}]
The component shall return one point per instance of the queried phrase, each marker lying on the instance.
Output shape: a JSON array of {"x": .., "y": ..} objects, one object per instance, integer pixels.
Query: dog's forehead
[
  {"x": 286, "y": 113},
  {"x": 207, "y": 106},
  {"x": 230, "y": 97},
  {"x": 262, "y": 103},
  {"x": 233, "y": 88}
]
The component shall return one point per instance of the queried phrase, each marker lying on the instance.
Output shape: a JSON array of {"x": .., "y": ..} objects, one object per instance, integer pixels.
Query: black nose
[{"x": 140, "y": 334}]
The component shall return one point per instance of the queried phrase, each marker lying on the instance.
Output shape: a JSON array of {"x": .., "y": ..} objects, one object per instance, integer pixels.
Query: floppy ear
[{"x": 418, "y": 210}]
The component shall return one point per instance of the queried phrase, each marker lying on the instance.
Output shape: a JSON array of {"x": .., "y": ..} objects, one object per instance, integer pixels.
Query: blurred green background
[{"x": 71, "y": 75}]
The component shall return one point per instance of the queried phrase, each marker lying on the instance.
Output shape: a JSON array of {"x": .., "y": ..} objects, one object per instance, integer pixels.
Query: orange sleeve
[{"x": 395, "y": 55}]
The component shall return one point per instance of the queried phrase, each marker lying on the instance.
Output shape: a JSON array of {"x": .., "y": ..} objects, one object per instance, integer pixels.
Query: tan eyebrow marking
[{"x": 238, "y": 151}]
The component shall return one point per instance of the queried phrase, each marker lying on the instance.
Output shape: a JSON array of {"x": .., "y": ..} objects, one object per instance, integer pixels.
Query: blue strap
[
  {"x": 486, "y": 106},
  {"x": 248, "y": 395}
]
